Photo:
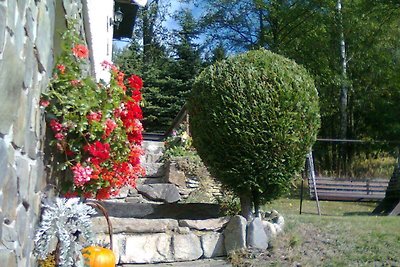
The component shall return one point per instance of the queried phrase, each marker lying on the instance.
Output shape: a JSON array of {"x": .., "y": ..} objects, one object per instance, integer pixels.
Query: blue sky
[{"x": 170, "y": 23}]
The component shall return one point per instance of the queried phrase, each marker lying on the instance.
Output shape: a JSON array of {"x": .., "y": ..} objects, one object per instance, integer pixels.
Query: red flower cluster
[{"x": 102, "y": 147}]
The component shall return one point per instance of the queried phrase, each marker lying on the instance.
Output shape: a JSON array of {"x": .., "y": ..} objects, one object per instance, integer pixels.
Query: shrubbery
[{"x": 253, "y": 119}]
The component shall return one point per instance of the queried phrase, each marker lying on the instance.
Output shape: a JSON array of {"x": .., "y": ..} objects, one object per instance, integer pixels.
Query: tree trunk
[
  {"x": 343, "y": 88},
  {"x": 256, "y": 201},
  {"x": 246, "y": 206}
]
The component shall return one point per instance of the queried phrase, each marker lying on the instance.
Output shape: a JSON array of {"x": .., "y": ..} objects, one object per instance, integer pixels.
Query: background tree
[
  {"x": 254, "y": 117},
  {"x": 167, "y": 62}
]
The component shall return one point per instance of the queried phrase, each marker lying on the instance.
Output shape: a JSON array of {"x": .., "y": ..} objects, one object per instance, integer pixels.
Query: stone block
[
  {"x": 147, "y": 248},
  {"x": 11, "y": 66},
  {"x": 20, "y": 123},
  {"x": 186, "y": 247},
  {"x": 270, "y": 230},
  {"x": 256, "y": 236},
  {"x": 3, "y": 20},
  {"x": 131, "y": 225},
  {"x": 10, "y": 194},
  {"x": 175, "y": 176},
  {"x": 213, "y": 245},
  {"x": 23, "y": 175},
  {"x": 8, "y": 257},
  {"x": 45, "y": 32},
  {"x": 208, "y": 225},
  {"x": 3, "y": 161},
  {"x": 30, "y": 25},
  {"x": 235, "y": 234},
  {"x": 167, "y": 193},
  {"x": 30, "y": 63},
  {"x": 154, "y": 169},
  {"x": 9, "y": 235},
  {"x": 21, "y": 223}
]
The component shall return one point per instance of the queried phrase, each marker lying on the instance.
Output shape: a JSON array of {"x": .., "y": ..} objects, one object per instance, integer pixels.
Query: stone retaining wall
[
  {"x": 170, "y": 240},
  {"x": 26, "y": 61}
]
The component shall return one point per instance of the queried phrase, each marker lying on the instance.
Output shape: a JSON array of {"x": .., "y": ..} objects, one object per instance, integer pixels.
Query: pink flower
[
  {"x": 75, "y": 82},
  {"x": 44, "y": 103},
  {"x": 81, "y": 174},
  {"x": 110, "y": 127},
  {"x": 55, "y": 125},
  {"x": 59, "y": 136},
  {"x": 94, "y": 116},
  {"x": 80, "y": 51}
]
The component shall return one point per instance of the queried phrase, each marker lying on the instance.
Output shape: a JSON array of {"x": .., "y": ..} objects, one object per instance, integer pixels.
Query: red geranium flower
[
  {"x": 80, "y": 51},
  {"x": 135, "y": 82},
  {"x": 100, "y": 152},
  {"x": 61, "y": 68}
]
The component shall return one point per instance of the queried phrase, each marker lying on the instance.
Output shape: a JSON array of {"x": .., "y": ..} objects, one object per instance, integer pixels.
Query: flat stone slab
[
  {"x": 132, "y": 225},
  {"x": 167, "y": 193},
  {"x": 192, "y": 211},
  {"x": 209, "y": 224},
  {"x": 196, "y": 263}
]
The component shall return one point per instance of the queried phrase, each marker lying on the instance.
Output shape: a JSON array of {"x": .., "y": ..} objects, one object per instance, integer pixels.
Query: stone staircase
[
  {"x": 151, "y": 226},
  {"x": 154, "y": 187}
]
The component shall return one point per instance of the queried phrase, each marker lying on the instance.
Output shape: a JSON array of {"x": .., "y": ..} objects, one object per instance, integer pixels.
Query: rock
[
  {"x": 270, "y": 230},
  {"x": 134, "y": 199},
  {"x": 10, "y": 197},
  {"x": 154, "y": 169},
  {"x": 256, "y": 236},
  {"x": 131, "y": 225},
  {"x": 209, "y": 224},
  {"x": 192, "y": 211},
  {"x": 183, "y": 230},
  {"x": 175, "y": 176},
  {"x": 186, "y": 247},
  {"x": 167, "y": 193},
  {"x": 212, "y": 244},
  {"x": 235, "y": 234},
  {"x": 147, "y": 248},
  {"x": 8, "y": 257},
  {"x": 276, "y": 219}
]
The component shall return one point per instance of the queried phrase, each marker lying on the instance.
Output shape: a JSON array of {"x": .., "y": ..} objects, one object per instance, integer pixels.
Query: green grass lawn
[{"x": 345, "y": 235}]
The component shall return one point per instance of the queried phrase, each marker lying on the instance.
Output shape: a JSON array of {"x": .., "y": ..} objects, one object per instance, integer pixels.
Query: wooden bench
[{"x": 329, "y": 188}]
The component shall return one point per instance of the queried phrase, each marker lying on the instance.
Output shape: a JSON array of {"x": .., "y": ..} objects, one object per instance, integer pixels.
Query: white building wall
[{"x": 99, "y": 33}]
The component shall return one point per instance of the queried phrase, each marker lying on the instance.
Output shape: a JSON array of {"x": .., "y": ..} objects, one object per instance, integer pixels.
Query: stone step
[
  {"x": 154, "y": 169},
  {"x": 193, "y": 211},
  {"x": 151, "y": 158},
  {"x": 197, "y": 263},
  {"x": 150, "y": 180},
  {"x": 167, "y": 193},
  {"x": 153, "y": 147}
]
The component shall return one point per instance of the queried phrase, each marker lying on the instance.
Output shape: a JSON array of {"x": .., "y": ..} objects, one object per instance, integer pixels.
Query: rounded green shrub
[{"x": 253, "y": 118}]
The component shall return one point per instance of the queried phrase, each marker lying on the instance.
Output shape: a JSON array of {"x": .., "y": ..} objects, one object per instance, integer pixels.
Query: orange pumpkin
[{"x": 98, "y": 256}]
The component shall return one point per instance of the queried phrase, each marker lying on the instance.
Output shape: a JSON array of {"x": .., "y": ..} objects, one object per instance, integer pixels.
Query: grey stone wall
[{"x": 27, "y": 30}]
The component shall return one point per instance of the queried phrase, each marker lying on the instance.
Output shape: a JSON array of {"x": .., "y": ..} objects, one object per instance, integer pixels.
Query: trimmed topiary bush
[{"x": 253, "y": 119}]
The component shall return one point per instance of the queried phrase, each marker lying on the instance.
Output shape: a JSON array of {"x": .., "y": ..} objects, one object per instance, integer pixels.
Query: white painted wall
[{"x": 99, "y": 34}]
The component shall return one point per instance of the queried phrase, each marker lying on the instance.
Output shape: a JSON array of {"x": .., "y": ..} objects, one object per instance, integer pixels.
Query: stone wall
[{"x": 27, "y": 30}]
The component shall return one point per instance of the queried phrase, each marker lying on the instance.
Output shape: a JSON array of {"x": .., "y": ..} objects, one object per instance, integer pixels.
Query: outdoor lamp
[{"x": 118, "y": 17}]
